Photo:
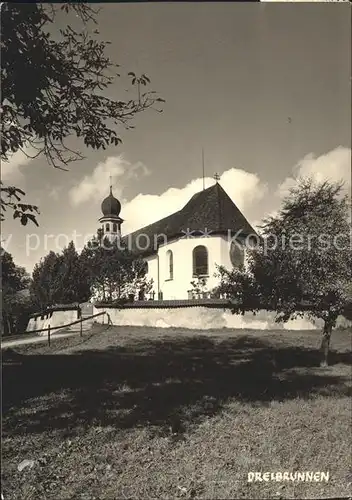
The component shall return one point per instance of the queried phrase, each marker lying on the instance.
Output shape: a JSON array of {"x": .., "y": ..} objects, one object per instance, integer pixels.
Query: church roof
[{"x": 211, "y": 211}]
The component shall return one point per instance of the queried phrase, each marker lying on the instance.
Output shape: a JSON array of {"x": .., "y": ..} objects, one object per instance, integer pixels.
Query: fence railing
[{"x": 50, "y": 329}]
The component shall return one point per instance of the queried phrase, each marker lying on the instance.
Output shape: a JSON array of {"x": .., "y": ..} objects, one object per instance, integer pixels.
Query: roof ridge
[
  {"x": 153, "y": 223},
  {"x": 217, "y": 185},
  {"x": 211, "y": 209}
]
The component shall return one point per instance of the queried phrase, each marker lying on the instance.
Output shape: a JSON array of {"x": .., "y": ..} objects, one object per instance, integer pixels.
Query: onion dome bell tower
[{"x": 111, "y": 220}]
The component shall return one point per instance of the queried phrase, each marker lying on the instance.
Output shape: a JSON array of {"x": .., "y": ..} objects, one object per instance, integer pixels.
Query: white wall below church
[
  {"x": 55, "y": 319},
  {"x": 202, "y": 318}
]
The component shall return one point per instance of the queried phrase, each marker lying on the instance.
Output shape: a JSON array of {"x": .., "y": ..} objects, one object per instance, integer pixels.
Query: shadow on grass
[{"x": 162, "y": 383}]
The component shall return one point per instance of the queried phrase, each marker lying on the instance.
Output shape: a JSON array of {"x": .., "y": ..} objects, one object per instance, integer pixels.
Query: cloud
[
  {"x": 95, "y": 186},
  {"x": 248, "y": 190},
  {"x": 334, "y": 166},
  {"x": 11, "y": 169},
  {"x": 250, "y": 193},
  {"x": 55, "y": 192},
  {"x": 243, "y": 187}
]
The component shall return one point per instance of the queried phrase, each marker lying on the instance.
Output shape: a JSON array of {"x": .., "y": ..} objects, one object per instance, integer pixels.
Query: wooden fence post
[
  {"x": 81, "y": 328},
  {"x": 49, "y": 335},
  {"x": 109, "y": 319}
]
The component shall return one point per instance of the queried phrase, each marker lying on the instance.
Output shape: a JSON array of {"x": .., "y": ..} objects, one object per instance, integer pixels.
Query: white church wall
[
  {"x": 176, "y": 289},
  {"x": 182, "y": 250},
  {"x": 225, "y": 243},
  {"x": 152, "y": 271},
  {"x": 202, "y": 318}
]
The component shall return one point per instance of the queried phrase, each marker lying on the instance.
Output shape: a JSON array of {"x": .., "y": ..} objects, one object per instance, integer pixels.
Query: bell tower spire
[{"x": 111, "y": 220}]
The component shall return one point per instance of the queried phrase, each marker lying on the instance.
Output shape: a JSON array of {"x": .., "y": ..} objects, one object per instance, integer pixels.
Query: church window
[
  {"x": 200, "y": 261},
  {"x": 114, "y": 227},
  {"x": 170, "y": 265},
  {"x": 107, "y": 227}
]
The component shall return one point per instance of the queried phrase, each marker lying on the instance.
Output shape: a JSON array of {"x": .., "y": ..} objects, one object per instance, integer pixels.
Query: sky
[{"x": 264, "y": 88}]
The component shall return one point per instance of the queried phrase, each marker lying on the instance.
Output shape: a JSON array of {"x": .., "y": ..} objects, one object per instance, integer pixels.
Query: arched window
[
  {"x": 170, "y": 265},
  {"x": 114, "y": 227},
  {"x": 200, "y": 261},
  {"x": 107, "y": 227}
]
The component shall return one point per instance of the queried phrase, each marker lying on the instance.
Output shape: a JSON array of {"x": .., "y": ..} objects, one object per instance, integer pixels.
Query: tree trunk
[
  {"x": 5, "y": 324},
  {"x": 9, "y": 325},
  {"x": 325, "y": 342}
]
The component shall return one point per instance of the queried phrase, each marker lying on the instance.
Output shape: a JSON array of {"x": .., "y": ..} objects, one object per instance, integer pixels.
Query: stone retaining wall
[{"x": 202, "y": 317}]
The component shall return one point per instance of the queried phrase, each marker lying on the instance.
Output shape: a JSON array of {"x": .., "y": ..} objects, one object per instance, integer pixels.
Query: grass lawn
[{"x": 169, "y": 413}]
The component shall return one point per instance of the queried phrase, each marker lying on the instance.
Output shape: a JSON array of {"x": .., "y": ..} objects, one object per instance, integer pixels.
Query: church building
[{"x": 187, "y": 245}]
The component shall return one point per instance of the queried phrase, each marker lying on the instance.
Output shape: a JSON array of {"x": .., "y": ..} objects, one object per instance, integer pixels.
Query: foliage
[
  {"x": 112, "y": 271},
  {"x": 59, "y": 279},
  {"x": 239, "y": 286},
  {"x": 14, "y": 284},
  {"x": 55, "y": 86},
  {"x": 45, "y": 280},
  {"x": 303, "y": 265},
  {"x": 72, "y": 285},
  {"x": 14, "y": 278},
  {"x": 315, "y": 264},
  {"x": 199, "y": 287},
  {"x": 20, "y": 210}
]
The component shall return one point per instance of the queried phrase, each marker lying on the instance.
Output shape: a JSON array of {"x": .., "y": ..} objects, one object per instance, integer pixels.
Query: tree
[
  {"x": 199, "y": 288},
  {"x": 10, "y": 197},
  {"x": 46, "y": 282},
  {"x": 240, "y": 286},
  {"x": 72, "y": 285},
  {"x": 14, "y": 281},
  {"x": 53, "y": 87},
  {"x": 138, "y": 285},
  {"x": 91, "y": 259},
  {"x": 60, "y": 279},
  {"x": 303, "y": 264},
  {"x": 113, "y": 272}
]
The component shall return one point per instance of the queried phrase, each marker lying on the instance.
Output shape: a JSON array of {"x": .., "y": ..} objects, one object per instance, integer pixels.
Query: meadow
[{"x": 132, "y": 412}]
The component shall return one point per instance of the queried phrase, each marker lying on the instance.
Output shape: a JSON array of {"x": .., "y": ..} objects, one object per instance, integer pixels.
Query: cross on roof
[{"x": 216, "y": 177}]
